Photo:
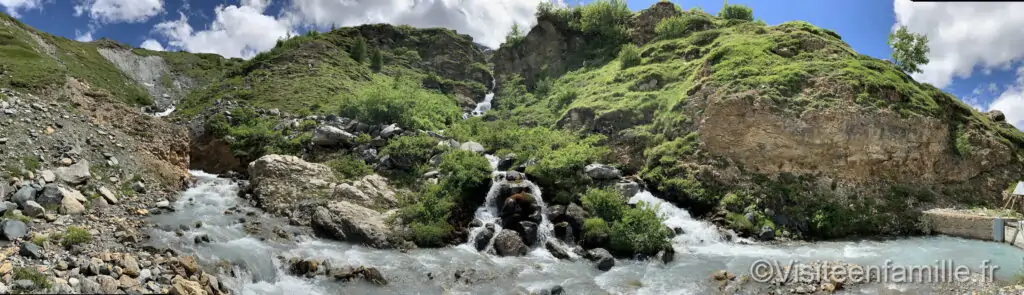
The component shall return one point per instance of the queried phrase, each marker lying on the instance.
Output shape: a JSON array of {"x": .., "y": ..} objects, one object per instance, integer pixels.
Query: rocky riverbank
[{"x": 81, "y": 176}]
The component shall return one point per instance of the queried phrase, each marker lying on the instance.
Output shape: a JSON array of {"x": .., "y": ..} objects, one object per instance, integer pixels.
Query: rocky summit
[{"x": 375, "y": 136}]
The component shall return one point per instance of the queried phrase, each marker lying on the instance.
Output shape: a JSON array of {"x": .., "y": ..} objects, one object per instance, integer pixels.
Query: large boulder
[
  {"x": 509, "y": 243},
  {"x": 344, "y": 220},
  {"x": 24, "y": 194},
  {"x": 602, "y": 258},
  {"x": 71, "y": 201},
  {"x": 280, "y": 182}
]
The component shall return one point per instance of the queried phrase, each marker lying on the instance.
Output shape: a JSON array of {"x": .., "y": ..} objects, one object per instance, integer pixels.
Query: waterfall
[
  {"x": 489, "y": 213},
  {"x": 485, "y": 105},
  {"x": 694, "y": 232}
]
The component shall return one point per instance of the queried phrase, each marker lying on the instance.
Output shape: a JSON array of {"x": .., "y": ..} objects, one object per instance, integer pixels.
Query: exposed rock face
[
  {"x": 551, "y": 45},
  {"x": 372, "y": 190},
  {"x": 153, "y": 73},
  {"x": 648, "y": 19},
  {"x": 851, "y": 146}
]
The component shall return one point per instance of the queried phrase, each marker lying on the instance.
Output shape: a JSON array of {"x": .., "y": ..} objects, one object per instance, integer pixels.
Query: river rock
[
  {"x": 667, "y": 255},
  {"x": 369, "y": 274},
  {"x": 602, "y": 257},
  {"x": 33, "y": 209},
  {"x": 473, "y": 147},
  {"x": 557, "y": 250},
  {"x": 24, "y": 194},
  {"x": 14, "y": 229},
  {"x": 506, "y": 162},
  {"x": 74, "y": 174},
  {"x": 482, "y": 239},
  {"x": 108, "y": 195},
  {"x": 602, "y": 172},
  {"x": 183, "y": 286},
  {"x": 71, "y": 203},
  {"x": 50, "y": 195},
  {"x": 508, "y": 243},
  {"x": 48, "y": 176},
  {"x": 347, "y": 221},
  {"x": 329, "y": 136},
  {"x": 279, "y": 182},
  {"x": 528, "y": 230},
  {"x": 30, "y": 250},
  {"x": 767, "y": 234}
]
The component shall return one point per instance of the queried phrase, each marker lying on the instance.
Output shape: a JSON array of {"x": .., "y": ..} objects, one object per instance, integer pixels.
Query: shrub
[
  {"x": 607, "y": 19},
  {"x": 639, "y": 232},
  {"x": 464, "y": 174},
  {"x": 349, "y": 166},
  {"x": 411, "y": 151},
  {"x": 605, "y": 204},
  {"x": 683, "y": 25},
  {"x": 388, "y": 101},
  {"x": 427, "y": 216},
  {"x": 377, "y": 60},
  {"x": 560, "y": 171},
  {"x": 76, "y": 235},
  {"x": 251, "y": 135},
  {"x": 430, "y": 234},
  {"x": 595, "y": 229},
  {"x": 737, "y": 12},
  {"x": 629, "y": 56},
  {"x": 358, "y": 51}
]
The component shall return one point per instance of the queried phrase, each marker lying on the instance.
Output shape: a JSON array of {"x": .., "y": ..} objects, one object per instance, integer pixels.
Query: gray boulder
[
  {"x": 473, "y": 147},
  {"x": 602, "y": 257},
  {"x": 602, "y": 172},
  {"x": 508, "y": 243},
  {"x": 74, "y": 174},
  {"x": 327, "y": 135},
  {"x": 13, "y": 229}
]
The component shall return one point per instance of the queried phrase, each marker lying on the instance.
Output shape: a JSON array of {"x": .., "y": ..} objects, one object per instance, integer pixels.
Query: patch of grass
[
  {"x": 75, "y": 235},
  {"x": 39, "y": 239},
  {"x": 10, "y": 214},
  {"x": 349, "y": 166},
  {"x": 32, "y": 274}
]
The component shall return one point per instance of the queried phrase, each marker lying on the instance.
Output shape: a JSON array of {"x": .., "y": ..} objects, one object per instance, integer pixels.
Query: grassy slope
[
  {"x": 29, "y": 66},
  {"x": 316, "y": 73}
]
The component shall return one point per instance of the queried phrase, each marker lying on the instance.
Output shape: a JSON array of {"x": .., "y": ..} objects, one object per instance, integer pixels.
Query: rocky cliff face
[{"x": 732, "y": 118}]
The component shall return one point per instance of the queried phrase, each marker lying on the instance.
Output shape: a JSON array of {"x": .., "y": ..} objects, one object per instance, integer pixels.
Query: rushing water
[
  {"x": 485, "y": 105},
  {"x": 408, "y": 272}
]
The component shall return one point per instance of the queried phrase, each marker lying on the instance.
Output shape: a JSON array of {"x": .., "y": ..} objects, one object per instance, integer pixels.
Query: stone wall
[{"x": 972, "y": 226}]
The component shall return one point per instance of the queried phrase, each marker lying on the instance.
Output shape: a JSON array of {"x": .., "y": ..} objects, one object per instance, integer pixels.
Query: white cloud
[
  {"x": 236, "y": 31},
  {"x": 118, "y": 11},
  {"x": 13, "y": 6},
  {"x": 83, "y": 37},
  {"x": 1011, "y": 101},
  {"x": 152, "y": 45},
  {"x": 964, "y": 36},
  {"x": 488, "y": 21}
]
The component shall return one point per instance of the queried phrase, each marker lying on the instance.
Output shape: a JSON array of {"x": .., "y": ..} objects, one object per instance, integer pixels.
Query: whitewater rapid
[{"x": 432, "y": 271}]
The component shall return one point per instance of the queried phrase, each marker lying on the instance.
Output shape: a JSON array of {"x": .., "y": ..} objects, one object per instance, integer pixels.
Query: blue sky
[{"x": 864, "y": 24}]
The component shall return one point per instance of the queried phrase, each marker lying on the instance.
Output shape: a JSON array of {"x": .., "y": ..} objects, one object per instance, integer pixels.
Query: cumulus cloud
[
  {"x": 13, "y": 6},
  {"x": 236, "y": 31},
  {"x": 120, "y": 11},
  {"x": 488, "y": 21},
  {"x": 152, "y": 44},
  {"x": 245, "y": 29},
  {"x": 1011, "y": 101},
  {"x": 964, "y": 36},
  {"x": 83, "y": 37}
]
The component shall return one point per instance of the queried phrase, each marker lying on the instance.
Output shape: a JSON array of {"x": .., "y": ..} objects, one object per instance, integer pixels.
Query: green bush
[
  {"x": 377, "y": 60},
  {"x": 640, "y": 231},
  {"x": 388, "y": 101},
  {"x": 413, "y": 150},
  {"x": 76, "y": 235},
  {"x": 431, "y": 234},
  {"x": 683, "y": 25},
  {"x": 358, "y": 51},
  {"x": 629, "y": 56},
  {"x": 251, "y": 135},
  {"x": 464, "y": 173},
  {"x": 605, "y": 204},
  {"x": 737, "y": 12},
  {"x": 607, "y": 19},
  {"x": 349, "y": 166},
  {"x": 560, "y": 172},
  {"x": 595, "y": 229},
  {"x": 427, "y": 216}
]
